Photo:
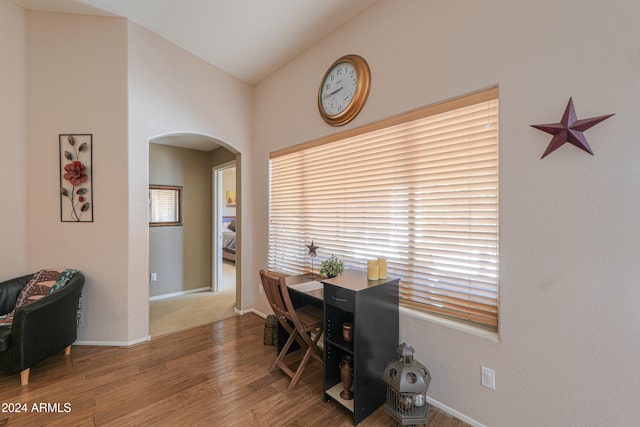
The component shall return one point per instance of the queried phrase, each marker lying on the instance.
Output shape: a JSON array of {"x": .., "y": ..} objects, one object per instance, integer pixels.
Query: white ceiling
[{"x": 249, "y": 39}]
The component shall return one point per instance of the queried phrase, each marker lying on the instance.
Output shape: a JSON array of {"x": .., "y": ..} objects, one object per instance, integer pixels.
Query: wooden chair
[{"x": 300, "y": 323}]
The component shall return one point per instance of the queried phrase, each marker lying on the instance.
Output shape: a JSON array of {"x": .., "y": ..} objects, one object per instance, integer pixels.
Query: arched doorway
[{"x": 183, "y": 291}]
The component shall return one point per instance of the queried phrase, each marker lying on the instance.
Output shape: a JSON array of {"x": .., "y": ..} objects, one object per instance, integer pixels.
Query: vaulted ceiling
[{"x": 249, "y": 39}]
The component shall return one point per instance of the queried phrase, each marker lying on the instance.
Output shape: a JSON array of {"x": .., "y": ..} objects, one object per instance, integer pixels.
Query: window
[
  {"x": 420, "y": 189},
  {"x": 165, "y": 205}
]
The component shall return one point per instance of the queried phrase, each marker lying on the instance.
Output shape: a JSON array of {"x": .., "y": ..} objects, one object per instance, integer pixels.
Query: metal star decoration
[
  {"x": 570, "y": 129},
  {"x": 312, "y": 250},
  {"x": 312, "y": 253}
]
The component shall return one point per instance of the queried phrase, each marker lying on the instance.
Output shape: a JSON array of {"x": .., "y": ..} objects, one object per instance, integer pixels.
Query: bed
[{"x": 229, "y": 238}]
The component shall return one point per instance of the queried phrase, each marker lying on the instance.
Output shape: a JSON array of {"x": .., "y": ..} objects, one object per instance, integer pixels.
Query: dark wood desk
[
  {"x": 314, "y": 296},
  {"x": 372, "y": 308}
]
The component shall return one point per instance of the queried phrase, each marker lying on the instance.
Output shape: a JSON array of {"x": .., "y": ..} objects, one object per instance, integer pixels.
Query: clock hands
[{"x": 334, "y": 92}]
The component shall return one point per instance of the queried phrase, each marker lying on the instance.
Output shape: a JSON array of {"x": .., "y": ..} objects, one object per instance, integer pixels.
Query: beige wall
[
  {"x": 104, "y": 76},
  {"x": 181, "y": 255},
  {"x": 171, "y": 91},
  {"x": 569, "y": 333},
  {"x": 78, "y": 84},
  {"x": 13, "y": 122},
  {"x": 221, "y": 156}
]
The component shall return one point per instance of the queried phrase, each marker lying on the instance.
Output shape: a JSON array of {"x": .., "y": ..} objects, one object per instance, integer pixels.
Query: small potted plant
[{"x": 331, "y": 267}]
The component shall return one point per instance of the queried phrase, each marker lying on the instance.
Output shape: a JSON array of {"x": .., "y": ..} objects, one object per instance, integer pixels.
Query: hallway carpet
[{"x": 195, "y": 309}]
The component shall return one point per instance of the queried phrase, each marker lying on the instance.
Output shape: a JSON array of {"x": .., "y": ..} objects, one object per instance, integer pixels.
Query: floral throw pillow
[{"x": 43, "y": 283}]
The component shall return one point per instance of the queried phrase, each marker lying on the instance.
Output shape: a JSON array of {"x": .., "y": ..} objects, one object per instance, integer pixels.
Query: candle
[
  {"x": 372, "y": 269},
  {"x": 382, "y": 267}
]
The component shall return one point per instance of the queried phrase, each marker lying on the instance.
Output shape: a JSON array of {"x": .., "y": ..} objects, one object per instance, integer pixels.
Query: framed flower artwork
[{"x": 76, "y": 183}]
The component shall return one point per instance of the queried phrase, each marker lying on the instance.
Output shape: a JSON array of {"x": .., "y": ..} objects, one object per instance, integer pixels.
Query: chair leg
[
  {"x": 67, "y": 350},
  {"x": 24, "y": 376},
  {"x": 285, "y": 349},
  {"x": 301, "y": 366},
  {"x": 312, "y": 351}
]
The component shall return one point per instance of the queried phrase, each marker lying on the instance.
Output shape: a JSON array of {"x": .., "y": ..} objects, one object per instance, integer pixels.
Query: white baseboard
[
  {"x": 251, "y": 310},
  {"x": 447, "y": 410},
  {"x": 114, "y": 343},
  {"x": 176, "y": 294}
]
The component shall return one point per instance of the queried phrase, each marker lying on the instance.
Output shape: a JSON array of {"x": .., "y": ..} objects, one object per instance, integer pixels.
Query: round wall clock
[{"x": 344, "y": 90}]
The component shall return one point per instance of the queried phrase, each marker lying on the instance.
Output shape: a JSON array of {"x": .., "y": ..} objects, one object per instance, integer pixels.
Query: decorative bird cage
[{"x": 407, "y": 384}]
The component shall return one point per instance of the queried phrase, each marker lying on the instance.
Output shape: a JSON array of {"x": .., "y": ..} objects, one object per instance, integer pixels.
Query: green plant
[{"x": 332, "y": 266}]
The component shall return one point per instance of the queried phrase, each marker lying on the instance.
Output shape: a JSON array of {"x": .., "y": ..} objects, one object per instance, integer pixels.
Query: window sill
[{"x": 479, "y": 332}]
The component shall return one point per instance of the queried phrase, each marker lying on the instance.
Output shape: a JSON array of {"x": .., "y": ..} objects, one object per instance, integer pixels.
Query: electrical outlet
[
  {"x": 260, "y": 289},
  {"x": 488, "y": 378},
  {"x": 154, "y": 277}
]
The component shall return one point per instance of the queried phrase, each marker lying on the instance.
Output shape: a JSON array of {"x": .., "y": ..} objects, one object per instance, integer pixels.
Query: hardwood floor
[{"x": 213, "y": 375}]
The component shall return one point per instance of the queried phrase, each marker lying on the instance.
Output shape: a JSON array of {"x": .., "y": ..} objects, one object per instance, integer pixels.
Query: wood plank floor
[{"x": 213, "y": 375}]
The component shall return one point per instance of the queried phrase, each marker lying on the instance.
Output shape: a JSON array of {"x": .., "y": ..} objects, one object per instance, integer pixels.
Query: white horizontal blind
[
  {"x": 164, "y": 206},
  {"x": 422, "y": 192}
]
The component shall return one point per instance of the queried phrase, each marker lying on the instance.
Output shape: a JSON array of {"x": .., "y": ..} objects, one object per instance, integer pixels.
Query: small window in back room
[{"x": 165, "y": 205}]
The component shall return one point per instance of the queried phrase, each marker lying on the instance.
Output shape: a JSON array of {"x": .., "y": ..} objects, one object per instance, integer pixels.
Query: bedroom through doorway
[{"x": 224, "y": 227}]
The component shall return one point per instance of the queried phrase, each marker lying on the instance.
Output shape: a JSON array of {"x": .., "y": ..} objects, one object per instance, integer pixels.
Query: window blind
[
  {"x": 420, "y": 189},
  {"x": 164, "y": 205}
]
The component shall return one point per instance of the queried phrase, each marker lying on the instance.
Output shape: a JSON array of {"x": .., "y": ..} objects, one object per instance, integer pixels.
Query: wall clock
[{"x": 344, "y": 90}]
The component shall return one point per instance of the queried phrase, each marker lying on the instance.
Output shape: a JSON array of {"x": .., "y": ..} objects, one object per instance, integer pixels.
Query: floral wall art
[{"x": 76, "y": 183}]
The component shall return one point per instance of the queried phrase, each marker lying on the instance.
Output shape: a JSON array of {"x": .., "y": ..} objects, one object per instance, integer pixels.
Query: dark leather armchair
[{"x": 41, "y": 328}]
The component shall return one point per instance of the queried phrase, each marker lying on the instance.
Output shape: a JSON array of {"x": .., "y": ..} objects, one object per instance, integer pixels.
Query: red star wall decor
[{"x": 570, "y": 130}]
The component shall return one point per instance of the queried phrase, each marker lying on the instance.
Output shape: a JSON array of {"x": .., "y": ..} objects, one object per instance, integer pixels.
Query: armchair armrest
[
  {"x": 9, "y": 290},
  {"x": 45, "y": 326}
]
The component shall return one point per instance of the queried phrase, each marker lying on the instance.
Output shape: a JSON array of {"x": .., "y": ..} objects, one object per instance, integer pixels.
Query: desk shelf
[
  {"x": 340, "y": 343},
  {"x": 334, "y": 393},
  {"x": 372, "y": 308}
]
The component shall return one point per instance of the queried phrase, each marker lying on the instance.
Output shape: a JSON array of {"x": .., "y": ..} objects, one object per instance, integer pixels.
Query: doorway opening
[
  {"x": 224, "y": 227},
  {"x": 185, "y": 288}
]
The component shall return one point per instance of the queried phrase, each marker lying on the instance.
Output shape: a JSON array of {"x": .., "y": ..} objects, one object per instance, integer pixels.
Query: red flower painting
[
  {"x": 75, "y": 173},
  {"x": 75, "y": 204}
]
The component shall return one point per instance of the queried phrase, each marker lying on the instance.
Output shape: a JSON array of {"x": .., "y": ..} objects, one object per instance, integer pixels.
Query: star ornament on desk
[
  {"x": 570, "y": 130},
  {"x": 312, "y": 253},
  {"x": 312, "y": 250}
]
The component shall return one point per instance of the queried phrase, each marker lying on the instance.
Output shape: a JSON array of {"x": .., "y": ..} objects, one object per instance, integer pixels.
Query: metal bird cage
[{"x": 407, "y": 384}]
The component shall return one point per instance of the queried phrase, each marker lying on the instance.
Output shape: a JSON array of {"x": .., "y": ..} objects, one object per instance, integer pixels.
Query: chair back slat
[
  {"x": 288, "y": 305},
  {"x": 273, "y": 291},
  {"x": 275, "y": 287}
]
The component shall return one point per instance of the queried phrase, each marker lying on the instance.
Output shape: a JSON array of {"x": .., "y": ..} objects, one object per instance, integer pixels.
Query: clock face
[
  {"x": 338, "y": 88},
  {"x": 344, "y": 90}
]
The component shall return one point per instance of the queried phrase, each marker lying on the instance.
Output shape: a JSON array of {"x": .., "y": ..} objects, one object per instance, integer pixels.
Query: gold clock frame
[{"x": 360, "y": 96}]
